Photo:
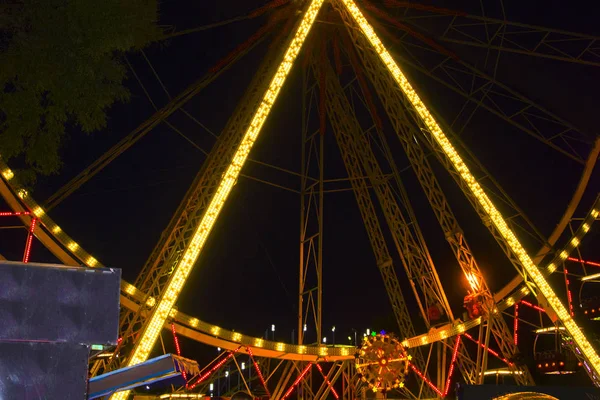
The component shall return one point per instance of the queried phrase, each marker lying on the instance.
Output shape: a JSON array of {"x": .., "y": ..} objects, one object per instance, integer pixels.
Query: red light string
[
  {"x": 260, "y": 375},
  {"x": 452, "y": 364},
  {"x": 595, "y": 264},
  {"x": 528, "y": 304},
  {"x": 29, "y": 241},
  {"x": 328, "y": 382},
  {"x": 569, "y": 297},
  {"x": 297, "y": 381},
  {"x": 516, "y": 325},
  {"x": 491, "y": 351},
  {"x": 427, "y": 381},
  {"x": 176, "y": 340},
  {"x": 13, "y": 214},
  {"x": 213, "y": 369}
]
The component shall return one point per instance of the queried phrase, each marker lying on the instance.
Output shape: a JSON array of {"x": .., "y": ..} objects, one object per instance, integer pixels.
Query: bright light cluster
[
  {"x": 8, "y": 174},
  {"x": 443, "y": 332},
  {"x": 46, "y": 221},
  {"x": 460, "y": 166},
  {"x": 560, "y": 257},
  {"x": 473, "y": 281},
  {"x": 181, "y": 272}
]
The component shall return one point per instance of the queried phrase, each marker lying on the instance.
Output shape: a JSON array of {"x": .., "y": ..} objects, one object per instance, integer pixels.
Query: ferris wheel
[{"x": 398, "y": 89}]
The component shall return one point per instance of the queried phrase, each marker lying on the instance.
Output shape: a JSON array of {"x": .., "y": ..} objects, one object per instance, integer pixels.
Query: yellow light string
[
  {"x": 536, "y": 276},
  {"x": 185, "y": 265}
]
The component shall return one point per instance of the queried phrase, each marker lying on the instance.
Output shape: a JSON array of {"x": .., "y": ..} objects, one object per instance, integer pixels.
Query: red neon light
[
  {"x": 29, "y": 241},
  {"x": 528, "y": 304},
  {"x": 176, "y": 340},
  {"x": 491, "y": 351},
  {"x": 13, "y": 214},
  {"x": 516, "y": 327},
  {"x": 260, "y": 375},
  {"x": 297, "y": 381},
  {"x": 214, "y": 368},
  {"x": 427, "y": 381},
  {"x": 568, "y": 291},
  {"x": 595, "y": 264},
  {"x": 452, "y": 363},
  {"x": 328, "y": 382}
]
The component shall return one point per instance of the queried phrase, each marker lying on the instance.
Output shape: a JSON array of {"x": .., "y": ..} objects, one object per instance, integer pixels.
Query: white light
[
  {"x": 243, "y": 365},
  {"x": 226, "y": 374},
  {"x": 333, "y": 329},
  {"x": 273, "y": 328},
  {"x": 368, "y": 331},
  {"x": 218, "y": 349},
  {"x": 304, "y": 327},
  {"x": 325, "y": 340},
  {"x": 211, "y": 387},
  {"x": 589, "y": 277},
  {"x": 147, "y": 387},
  {"x": 349, "y": 338}
]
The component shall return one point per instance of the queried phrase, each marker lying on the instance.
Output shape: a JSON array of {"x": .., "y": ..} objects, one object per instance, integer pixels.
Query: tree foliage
[{"x": 60, "y": 64}]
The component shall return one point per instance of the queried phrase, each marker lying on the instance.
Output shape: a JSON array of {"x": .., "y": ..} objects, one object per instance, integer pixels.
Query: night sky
[{"x": 246, "y": 278}]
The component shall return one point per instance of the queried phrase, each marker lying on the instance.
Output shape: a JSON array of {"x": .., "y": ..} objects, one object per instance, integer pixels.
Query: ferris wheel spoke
[
  {"x": 491, "y": 95},
  {"x": 459, "y": 27}
]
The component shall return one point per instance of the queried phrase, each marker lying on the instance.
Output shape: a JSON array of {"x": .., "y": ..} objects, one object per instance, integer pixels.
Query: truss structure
[{"x": 150, "y": 301}]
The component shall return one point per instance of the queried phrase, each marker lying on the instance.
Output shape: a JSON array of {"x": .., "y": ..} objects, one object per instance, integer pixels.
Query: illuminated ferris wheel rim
[
  {"x": 11, "y": 195},
  {"x": 201, "y": 331}
]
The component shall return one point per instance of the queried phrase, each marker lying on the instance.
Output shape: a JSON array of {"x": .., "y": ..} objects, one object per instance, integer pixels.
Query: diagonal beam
[
  {"x": 407, "y": 134},
  {"x": 348, "y": 133},
  {"x": 492, "y": 218},
  {"x": 346, "y": 128},
  {"x": 192, "y": 251}
]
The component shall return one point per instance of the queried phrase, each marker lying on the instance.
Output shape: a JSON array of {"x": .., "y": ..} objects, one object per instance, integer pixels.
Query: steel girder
[
  {"x": 342, "y": 119},
  {"x": 459, "y": 27},
  {"x": 483, "y": 90},
  {"x": 351, "y": 140},
  {"x": 167, "y": 253},
  {"x": 362, "y": 45},
  {"x": 407, "y": 134}
]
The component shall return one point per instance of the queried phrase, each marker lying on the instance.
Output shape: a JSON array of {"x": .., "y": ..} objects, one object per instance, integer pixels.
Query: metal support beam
[
  {"x": 409, "y": 137},
  {"x": 312, "y": 197},
  {"x": 455, "y": 26},
  {"x": 351, "y": 157}
]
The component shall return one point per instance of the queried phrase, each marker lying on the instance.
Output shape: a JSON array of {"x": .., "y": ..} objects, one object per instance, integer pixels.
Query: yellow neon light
[
  {"x": 8, "y": 174},
  {"x": 501, "y": 372},
  {"x": 184, "y": 267},
  {"x": 590, "y": 277},
  {"x": 460, "y": 166},
  {"x": 550, "y": 329}
]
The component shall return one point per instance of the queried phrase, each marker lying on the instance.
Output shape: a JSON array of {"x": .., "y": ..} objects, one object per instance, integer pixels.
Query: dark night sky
[{"x": 246, "y": 278}]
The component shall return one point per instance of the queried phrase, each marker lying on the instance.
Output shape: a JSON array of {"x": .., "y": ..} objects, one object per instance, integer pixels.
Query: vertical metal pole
[
  {"x": 303, "y": 179},
  {"x": 311, "y": 219},
  {"x": 320, "y": 255},
  {"x": 439, "y": 379},
  {"x": 486, "y": 346},
  {"x": 444, "y": 363},
  {"x": 480, "y": 350}
]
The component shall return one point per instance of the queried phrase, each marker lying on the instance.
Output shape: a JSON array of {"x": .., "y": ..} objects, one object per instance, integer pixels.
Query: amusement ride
[{"x": 358, "y": 61}]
